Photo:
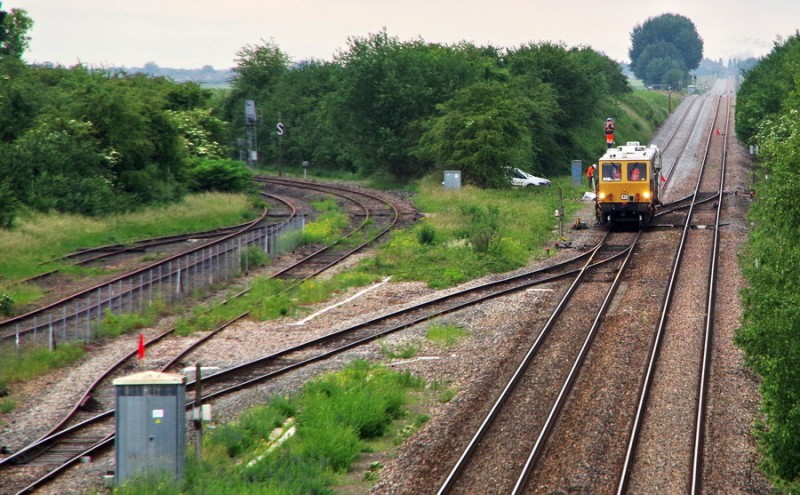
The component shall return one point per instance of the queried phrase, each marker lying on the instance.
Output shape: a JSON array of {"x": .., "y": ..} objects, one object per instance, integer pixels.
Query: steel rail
[
  {"x": 482, "y": 431},
  {"x": 708, "y": 331},
  {"x": 75, "y": 313},
  {"x": 105, "y": 415},
  {"x": 635, "y": 430},
  {"x": 544, "y": 434}
]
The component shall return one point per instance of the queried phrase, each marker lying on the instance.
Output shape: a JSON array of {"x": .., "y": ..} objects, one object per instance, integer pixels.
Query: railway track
[
  {"x": 75, "y": 317},
  {"x": 578, "y": 443},
  {"x": 687, "y": 316},
  {"x": 276, "y": 364},
  {"x": 76, "y": 435},
  {"x": 92, "y": 433},
  {"x": 511, "y": 426}
]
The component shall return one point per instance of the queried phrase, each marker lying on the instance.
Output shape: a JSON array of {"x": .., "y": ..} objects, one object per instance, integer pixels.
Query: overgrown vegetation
[
  {"x": 28, "y": 363},
  {"x": 114, "y": 325},
  {"x": 768, "y": 107},
  {"x": 77, "y": 145},
  {"x": 38, "y": 238},
  {"x": 85, "y": 141},
  {"x": 324, "y": 429},
  {"x": 472, "y": 232},
  {"x": 404, "y": 109}
]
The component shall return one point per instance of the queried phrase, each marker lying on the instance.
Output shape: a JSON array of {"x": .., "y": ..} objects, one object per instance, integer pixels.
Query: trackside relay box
[{"x": 151, "y": 424}]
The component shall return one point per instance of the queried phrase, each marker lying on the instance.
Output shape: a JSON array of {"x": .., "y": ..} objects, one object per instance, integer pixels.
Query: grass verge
[
  {"x": 30, "y": 247},
  {"x": 301, "y": 443}
]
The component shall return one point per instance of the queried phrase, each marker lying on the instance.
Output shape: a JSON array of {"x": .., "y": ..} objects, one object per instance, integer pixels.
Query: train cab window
[
  {"x": 611, "y": 172},
  {"x": 636, "y": 172}
]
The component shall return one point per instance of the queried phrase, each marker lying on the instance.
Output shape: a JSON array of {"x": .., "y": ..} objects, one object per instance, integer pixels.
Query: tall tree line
[
  {"x": 404, "y": 109},
  {"x": 94, "y": 142},
  {"x": 768, "y": 106}
]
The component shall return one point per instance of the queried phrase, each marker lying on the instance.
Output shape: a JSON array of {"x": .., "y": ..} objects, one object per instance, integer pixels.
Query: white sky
[{"x": 193, "y": 33}]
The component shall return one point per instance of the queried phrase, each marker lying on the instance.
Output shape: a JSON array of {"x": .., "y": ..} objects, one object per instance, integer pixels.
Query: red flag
[
  {"x": 141, "y": 346},
  {"x": 663, "y": 179}
]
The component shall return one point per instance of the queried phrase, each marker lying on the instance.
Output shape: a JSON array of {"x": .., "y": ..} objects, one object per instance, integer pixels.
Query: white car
[{"x": 520, "y": 178}]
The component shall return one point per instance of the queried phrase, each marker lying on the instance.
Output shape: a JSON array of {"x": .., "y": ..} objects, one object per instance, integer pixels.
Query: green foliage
[
  {"x": 768, "y": 89},
  {"x": 114, "y": 325},
  {"x": 7, "y": 405},
  {"x": 6, "y": 305},
  {"x": 90, "y": 142},
  {"x": 481, "y": 132},
  {"x": 233, "y": 439},
  {"x": 31, "y": 362},
  {"x": 426, "y": 233},
  {"x": 60, "y": 167},
  {"x": 253, "y": 257},
  {"x": 482, "y": 226},
  {"x": 447, "y": 394},
  {"x": 664, "y": 49},
  {"x": 374, "y": 471},
  {"x": 410, "y": 429},
  {"x": 388, "y": 88},
  {"x": 335, "y": 414},
  {"x": 9, "y": 206},
  {"x": 201, "y": 131},
  {"x": 326, "y": 228},
  {"x": 14, "y": 27},
  {"x": 220, "y": 175},
  {"x": 270, "y": 298},
  {"x": 151, "y": 482},
  {"x": 524, "y": 217},
  {"x": 36, "y": 239},
  {"x": 770, "y": 113}
]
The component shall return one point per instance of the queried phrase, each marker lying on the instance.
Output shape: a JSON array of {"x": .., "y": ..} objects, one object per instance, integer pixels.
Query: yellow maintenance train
[{"x": 628, "y": 180}]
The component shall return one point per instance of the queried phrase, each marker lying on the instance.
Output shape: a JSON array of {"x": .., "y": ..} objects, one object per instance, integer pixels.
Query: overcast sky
[{"x": 194, "y": 33}]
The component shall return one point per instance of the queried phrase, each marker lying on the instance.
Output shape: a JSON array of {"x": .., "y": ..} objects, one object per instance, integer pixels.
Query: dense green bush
[
  {"x": 220, "y": 175},
  {"x": 768, "y": 109}
]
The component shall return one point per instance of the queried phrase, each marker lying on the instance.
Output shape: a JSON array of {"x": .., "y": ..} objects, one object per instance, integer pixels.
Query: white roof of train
[{"x": 632, "y": 150}]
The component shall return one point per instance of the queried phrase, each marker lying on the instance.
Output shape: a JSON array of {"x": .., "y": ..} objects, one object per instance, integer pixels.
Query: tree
[
  {"x": 389, "y": 87},
  {"x": 14, "y": 37},
  {"x": 259, "y": 70},
  {"x": 663, "y": 44},
  {"x": 766, "y": 87},
  {"x": 482, "y": 131},
  {"x": 58, "y": 165},
  {"x": 768, "y": 111}
]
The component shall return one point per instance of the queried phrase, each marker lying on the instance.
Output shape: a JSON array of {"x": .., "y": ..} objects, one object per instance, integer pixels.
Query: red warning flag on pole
[{"x": 141, "y": 346}]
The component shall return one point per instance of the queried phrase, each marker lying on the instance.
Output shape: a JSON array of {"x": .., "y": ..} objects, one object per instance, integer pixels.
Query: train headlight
[
  {"x": 646, "y": 195},
  {"x": 602, "y": 196}
]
